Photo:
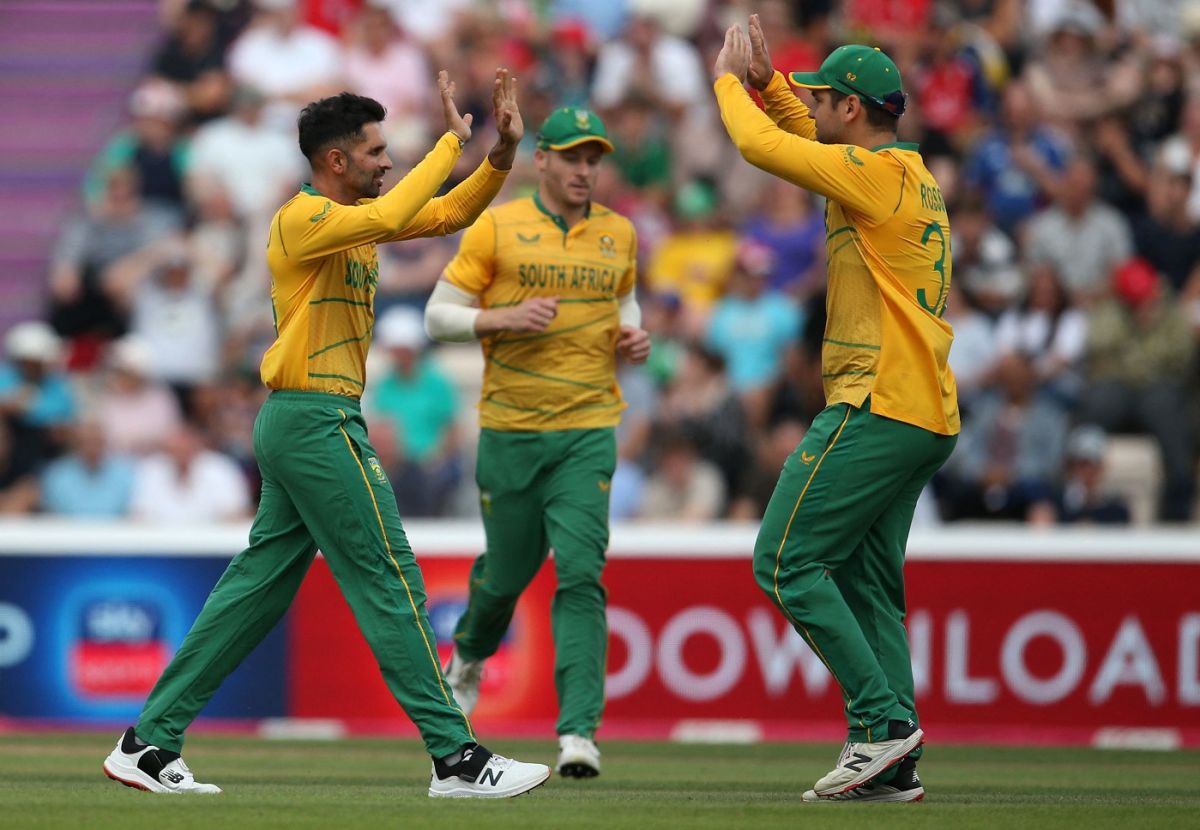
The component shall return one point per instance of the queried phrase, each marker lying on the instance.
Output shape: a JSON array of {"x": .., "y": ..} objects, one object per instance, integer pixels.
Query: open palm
[
  {"x": 509, "y": 123},
  {"x": 460, "y": 125}
]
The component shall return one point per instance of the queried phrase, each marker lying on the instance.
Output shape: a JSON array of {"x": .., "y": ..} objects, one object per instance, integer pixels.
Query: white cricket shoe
[
  {"x": 862, "y": 762},
  {"x": 480, "y": 774},
  {"x": 146, "y": 767},
  {"x": 463, "y": 677},
  {"x": 904, "y": 788},
  {"x": 578, "y": 757}
]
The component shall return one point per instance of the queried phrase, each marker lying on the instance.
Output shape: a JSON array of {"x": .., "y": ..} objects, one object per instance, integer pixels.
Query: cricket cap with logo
[
  {"x": 864, "y": 71},
  {"x": 569, "y": 127}
]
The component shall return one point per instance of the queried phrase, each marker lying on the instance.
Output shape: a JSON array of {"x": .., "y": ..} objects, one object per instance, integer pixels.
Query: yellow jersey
[
  {"x": 888, "y": 250},
  {"x": 564, "y": 377},
  {"x": 325, "y": 267}
]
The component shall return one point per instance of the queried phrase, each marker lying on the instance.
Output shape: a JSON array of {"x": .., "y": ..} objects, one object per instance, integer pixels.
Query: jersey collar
[
  {"x": 554, "y": 217},
  {"x": 310, "y": 190},
  {"x": 897, "y": 145}
]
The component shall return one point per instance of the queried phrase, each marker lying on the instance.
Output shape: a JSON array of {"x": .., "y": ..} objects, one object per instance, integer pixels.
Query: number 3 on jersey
[{"x": 938, "y": 307}]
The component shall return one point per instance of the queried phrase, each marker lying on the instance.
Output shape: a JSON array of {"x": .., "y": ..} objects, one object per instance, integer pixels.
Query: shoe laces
[{"x": 500, "y": 762}]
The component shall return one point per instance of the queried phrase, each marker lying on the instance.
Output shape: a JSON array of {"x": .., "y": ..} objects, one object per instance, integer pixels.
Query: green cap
[
  {"x": 568, "y": 127},
  {"x": 864, "y": 71}
]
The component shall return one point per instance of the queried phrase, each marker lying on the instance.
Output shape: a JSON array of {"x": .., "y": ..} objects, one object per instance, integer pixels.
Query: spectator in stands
[
  {"x": 136, "y": 413},
  {"x": 192, "y": 57},
  {"x": 289, "y": 61},
  {"x": 1072, "y": 78},
  {"x": 633, "y": 439},
  {"x": 421, "y": 404},
  {"x": 642, "y": 144},
  {"x": 188, "y": 484},
  {"x": 948, "y": 87},
  {"x": 35, "y": 397},
  {"x": 566, "y": 62},
  {"x": 1082, "y": 498},
  {"x": 153, "y": 146},
  {"x": 973, "y": 356},
  {"x": 694, "y": 261},
  {"x": 175, "y": 315},
  {"x": 120, "y": 225},
  {"x": 668, "y": 71},
  {"x": 238, "y": 155},
  {"x": 1140, "y": 352},
  {"x": 787, "y": 222},
  {"x": 755, "y": 489},
  {"x": 1017, "y": 165},
  {"x": 383, "y": 63},
  {"x": 1050, "y": 332},
  {"x": 90, "y": 481},
  {"x": 701, "y": 404},
  {"x": 18, "y": 479},
  {"x": 1166, "y": 235},
  {"x": 1009, "y": 455},
  {"x": 985, "y": 258},
  {"x": 1083, "y": 238},
  {"x": 750, "y": 326},
  {"x": 684, "y": 487}
]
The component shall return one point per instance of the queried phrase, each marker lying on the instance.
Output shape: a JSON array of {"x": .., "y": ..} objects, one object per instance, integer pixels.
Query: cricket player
[
  {"x": 830, "y": 551},
  {"x": 546, "y": 283},
  {"x": 323, "y": 486}
]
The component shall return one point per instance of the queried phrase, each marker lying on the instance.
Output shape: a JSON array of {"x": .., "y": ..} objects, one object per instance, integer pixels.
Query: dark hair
[
  {"x": 877, "y": 117},
  {"x": 335, "y": 120}
]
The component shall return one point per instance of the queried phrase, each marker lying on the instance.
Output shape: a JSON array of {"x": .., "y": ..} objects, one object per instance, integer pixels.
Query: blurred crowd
[{"x": 1065, "y": 135}]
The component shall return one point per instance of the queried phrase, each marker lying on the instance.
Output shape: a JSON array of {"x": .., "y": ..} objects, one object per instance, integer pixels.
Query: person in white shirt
[{"x": 187, "y": 483}]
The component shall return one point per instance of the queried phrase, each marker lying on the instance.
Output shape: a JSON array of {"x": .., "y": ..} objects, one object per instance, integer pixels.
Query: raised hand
[
  {"x": 460, "y": 125},
  {"x": 734, "y": 58},
  {"x": 760, "y": 70},
  {"x": 509, "y": 124}
]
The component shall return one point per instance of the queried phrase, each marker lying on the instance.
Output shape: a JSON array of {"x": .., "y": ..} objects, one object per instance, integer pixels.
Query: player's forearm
[
  {"x": 785, "y": 109},
  {"x": 473, "y": 194},
  {"x": 503, "y": 154},
  {"x": 450, "y": 315},
  {"x": 629, "y": 311},
  {"x": 833, "y": 171},
  {"x": 399, "y": 205}
]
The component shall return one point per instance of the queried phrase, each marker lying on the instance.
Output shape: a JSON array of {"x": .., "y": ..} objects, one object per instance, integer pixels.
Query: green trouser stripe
[
  {"x": 543, "y": 490},
  {"x": 313, "y": 451},
  {"x": 830, "y": 553}
]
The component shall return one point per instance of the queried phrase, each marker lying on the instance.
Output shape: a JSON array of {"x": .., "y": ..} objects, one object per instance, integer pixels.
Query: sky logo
[{"x": 120, "y": 650}]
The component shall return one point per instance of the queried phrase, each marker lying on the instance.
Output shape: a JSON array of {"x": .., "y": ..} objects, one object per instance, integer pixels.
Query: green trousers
[
  {"x": 542, "y": 490},
  {"x": 830, "y": 553},
  {"x": 322, "y": 488}
]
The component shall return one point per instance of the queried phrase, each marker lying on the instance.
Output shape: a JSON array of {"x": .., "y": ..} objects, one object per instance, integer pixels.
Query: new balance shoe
[
  {"x": 146, "y": 767},
  {"x": 463, "y": 677},
  {"x": 861, "y": 762},
  {"x": 905, "y": 787},
  {"x": 578, "y": 757},
  {"x": 480, "y": 774}
]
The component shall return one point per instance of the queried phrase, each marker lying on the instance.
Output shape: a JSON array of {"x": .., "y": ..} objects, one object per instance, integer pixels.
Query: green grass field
[{"x": 55, "y": 781}]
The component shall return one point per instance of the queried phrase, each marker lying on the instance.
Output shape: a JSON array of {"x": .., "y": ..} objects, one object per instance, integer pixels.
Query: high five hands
[
  {"x": 746, "y": 58},
  {"x": 509, "y": 125}
]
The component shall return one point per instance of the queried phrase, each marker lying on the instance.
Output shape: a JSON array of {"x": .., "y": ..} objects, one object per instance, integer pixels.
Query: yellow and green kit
[
  {"x": 323, "y": 486},
  {"x": 830, "y": 551},
  {"x": 547, "y": 451}
]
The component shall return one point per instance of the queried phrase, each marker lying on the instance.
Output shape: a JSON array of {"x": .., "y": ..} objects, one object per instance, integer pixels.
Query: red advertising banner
[{"x": 1022, "y": 651}]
